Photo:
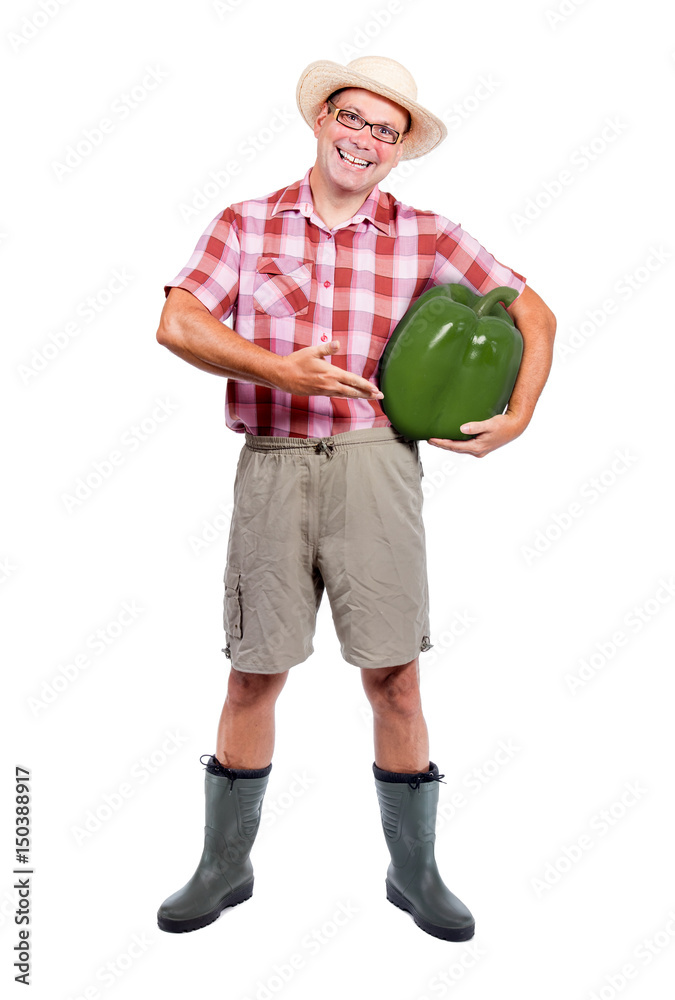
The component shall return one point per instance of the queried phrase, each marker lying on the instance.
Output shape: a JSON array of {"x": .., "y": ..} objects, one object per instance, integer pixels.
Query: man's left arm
[{"x": 537, "y": 325}]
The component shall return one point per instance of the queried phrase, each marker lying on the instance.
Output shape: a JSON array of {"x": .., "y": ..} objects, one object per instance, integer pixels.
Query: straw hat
[{"x": 379, "y": 75}]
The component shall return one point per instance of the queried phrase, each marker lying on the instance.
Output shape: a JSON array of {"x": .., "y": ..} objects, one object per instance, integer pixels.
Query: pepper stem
[{"x": 501, "y": 294}]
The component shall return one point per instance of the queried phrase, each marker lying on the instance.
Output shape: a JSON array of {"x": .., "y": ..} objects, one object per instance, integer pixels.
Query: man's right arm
[{"x": 188, "y": 329}]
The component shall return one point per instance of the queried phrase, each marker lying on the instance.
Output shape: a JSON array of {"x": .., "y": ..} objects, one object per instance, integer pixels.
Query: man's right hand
[{"x": 305, "y": 373}]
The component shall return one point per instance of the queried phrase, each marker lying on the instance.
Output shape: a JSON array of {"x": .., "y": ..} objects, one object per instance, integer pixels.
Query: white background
[{"x": 542, "y": 567}]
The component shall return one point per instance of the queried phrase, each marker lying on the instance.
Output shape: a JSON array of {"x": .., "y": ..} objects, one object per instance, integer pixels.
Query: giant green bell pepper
[{"x": 452, "y": 358}]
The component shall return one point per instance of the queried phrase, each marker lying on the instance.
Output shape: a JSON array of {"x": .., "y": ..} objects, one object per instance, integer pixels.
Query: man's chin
[{"x": 349, "y": 180}]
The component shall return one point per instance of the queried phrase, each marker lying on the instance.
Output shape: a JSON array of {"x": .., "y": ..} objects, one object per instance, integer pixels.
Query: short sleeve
[
  {"x": 460, "y": 259},
  {"x": 212, "y": 272}
]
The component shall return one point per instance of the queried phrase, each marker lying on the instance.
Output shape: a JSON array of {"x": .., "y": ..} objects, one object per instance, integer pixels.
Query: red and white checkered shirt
[{"x": 289, "y": 282}]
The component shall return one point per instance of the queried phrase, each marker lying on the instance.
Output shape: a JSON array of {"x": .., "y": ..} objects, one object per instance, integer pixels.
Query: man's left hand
[
  {"x": 490, "y": 434},
  {"x": 537, "y": 325}
]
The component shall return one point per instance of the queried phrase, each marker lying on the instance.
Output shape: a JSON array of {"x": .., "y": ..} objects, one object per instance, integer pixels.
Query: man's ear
[{"x": 320, "y": 119}]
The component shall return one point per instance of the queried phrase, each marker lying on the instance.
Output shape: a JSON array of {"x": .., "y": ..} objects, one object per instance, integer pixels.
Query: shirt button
[
  {"x": 324, "y": 336},
  {"x": 326, "y": 284}
]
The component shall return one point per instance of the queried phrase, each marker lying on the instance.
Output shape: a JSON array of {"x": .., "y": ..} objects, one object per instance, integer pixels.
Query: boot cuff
[
  {"x": 414, "y": 779},
  {"x": 213, "y": 766}
]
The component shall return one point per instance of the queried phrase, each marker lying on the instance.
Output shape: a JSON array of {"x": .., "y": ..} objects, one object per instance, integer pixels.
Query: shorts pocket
[
  {"x": 414, "y": 463},
  {"x": 282, "y": 286},
  {"x": 232, "y": 604}
]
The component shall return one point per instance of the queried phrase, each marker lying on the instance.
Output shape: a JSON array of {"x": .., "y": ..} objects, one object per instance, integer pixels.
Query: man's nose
[{"x": 363, "y": 141}]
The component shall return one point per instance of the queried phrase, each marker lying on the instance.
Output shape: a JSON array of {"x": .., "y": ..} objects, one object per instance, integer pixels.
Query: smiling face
[{"x": 354, "y": 161}]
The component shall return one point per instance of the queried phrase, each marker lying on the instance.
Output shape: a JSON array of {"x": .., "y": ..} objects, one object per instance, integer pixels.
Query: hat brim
[{"x": 321, "y": 78}]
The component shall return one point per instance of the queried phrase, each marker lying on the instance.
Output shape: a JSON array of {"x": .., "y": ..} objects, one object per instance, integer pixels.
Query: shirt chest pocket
[{"x": 281, "y": 286}]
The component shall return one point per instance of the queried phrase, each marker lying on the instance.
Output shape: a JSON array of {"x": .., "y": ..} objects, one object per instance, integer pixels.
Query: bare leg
[
  {"x": 400, "y": 732},
  {"x": 246, "y": 730}
]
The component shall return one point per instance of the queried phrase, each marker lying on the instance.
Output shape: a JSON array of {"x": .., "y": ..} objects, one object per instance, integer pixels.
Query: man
[{"x": 327, "y": 494}]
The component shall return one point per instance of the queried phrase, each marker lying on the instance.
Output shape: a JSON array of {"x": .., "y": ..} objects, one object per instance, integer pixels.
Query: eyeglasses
[{"x": 352, "y": 120}]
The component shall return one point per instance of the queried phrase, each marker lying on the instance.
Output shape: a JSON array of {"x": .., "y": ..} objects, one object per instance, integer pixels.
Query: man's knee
[
  {"x": 393, "y": 689},
  {"x": 244, "y": 689}
]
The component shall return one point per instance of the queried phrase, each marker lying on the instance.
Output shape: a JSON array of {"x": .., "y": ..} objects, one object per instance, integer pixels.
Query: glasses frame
[{"x": 358, "y": 128}]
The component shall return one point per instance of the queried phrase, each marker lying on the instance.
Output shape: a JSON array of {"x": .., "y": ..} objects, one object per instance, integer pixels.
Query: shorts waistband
[{"x": 336, "y": 442}]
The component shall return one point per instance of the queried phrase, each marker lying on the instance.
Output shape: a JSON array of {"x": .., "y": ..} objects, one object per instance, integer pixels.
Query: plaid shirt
[{"x": 289, "y": 282}]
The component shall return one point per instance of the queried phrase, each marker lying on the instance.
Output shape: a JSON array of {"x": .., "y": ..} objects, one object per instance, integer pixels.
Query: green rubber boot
[
  {"x": 408, "y": 804},
  {"x": 224, "y": 875}
]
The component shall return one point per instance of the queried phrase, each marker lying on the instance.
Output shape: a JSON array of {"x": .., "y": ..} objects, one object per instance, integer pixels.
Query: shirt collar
[{"x": 297, "y": 197}]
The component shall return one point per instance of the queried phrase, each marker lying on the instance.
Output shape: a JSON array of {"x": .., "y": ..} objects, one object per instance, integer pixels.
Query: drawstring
[
  {"x": 412, "y": 778},
  {"x": 425, "y": 777},
  {"x": 325, "y": 447},
  {"x": 213, "y": 766}
]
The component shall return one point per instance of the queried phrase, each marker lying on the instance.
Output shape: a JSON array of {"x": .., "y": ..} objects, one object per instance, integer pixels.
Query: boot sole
[
  {"x": 446, "y": 933},
  {"x": 232, "y": 899}
]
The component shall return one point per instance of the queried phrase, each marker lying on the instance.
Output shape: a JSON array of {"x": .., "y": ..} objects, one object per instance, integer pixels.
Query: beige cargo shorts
[{"x": 344, "y": 514}]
